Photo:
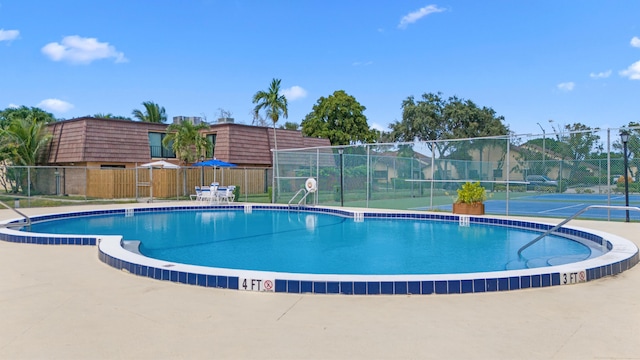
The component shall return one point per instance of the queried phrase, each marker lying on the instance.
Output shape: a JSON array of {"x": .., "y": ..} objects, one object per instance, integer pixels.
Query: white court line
[{"x": 562, "y": 208}]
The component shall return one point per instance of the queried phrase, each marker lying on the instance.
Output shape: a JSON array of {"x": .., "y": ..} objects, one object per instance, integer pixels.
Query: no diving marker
[
  {"x": 256, "y": 284},
  {"x": 573, "y": 277}
]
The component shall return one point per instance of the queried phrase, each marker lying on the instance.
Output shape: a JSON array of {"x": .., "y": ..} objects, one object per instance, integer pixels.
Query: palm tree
[
  {"x": 153, "y": 113},
  {"x": 24, "y": 141},
  {"x": 184, "y": 138},
  {"x": 110, "y": 116},
  {"x": 274, "y": 105}
]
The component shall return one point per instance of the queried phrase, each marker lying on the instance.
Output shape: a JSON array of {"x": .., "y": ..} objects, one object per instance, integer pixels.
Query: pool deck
[{"x": 61, "y": 302}]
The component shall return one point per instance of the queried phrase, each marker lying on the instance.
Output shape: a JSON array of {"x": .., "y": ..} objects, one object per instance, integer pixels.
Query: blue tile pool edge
[{"x": 111, "y": 252}]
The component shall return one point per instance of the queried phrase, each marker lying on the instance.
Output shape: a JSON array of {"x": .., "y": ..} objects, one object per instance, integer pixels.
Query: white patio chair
[
  {"x": 208, "y": 195},
  {"x": 197, "y": 196},
  {"x": 231, "y": 196},
  {"x": 226, "y": 194}
]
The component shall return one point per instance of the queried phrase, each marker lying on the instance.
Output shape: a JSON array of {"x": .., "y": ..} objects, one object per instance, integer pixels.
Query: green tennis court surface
[{"x": 557, "y": 205}]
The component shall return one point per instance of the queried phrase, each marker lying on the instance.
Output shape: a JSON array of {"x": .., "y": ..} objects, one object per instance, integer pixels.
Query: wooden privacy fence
[
  {"x": 250, "y": 180},
  {"x": 111, "y": 183},
  {"x": 169, "y": 183},
  {"x": 116, "y": 183}
]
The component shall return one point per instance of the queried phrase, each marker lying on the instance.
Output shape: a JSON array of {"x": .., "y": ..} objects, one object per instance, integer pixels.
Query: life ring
[{"x": 311, "y": 185}]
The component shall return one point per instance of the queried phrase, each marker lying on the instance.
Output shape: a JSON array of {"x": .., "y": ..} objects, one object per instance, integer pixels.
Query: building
[{"x": 114, "y": 143}]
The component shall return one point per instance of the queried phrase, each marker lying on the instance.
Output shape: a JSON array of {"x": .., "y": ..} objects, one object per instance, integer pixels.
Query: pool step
[{"x": 132, "y": 246}]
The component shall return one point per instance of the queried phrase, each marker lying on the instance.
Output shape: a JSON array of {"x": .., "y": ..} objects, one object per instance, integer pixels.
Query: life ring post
[{"x": 311, "y": 185}]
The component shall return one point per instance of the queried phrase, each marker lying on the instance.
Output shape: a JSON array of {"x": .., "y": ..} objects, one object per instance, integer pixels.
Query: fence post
[
  {"x": 368, "y": 175},
  {"x": 608, "y": 173},
  {"x": 508, "y": 174}
]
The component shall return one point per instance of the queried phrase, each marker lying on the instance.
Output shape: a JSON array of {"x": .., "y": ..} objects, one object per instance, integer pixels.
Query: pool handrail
[
  {"x": 28, "y": 223},
  {"x": 610, "y": 207},
  {"x": 296, "y": 195}
]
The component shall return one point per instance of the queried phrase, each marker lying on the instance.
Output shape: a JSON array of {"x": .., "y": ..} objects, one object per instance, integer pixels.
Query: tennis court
[{"x": 558, "y": 205}]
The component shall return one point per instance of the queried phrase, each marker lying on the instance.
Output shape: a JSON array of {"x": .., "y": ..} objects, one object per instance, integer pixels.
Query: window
[
  {"x": 212, "y": 139},
  {"x": 157, "y": 150}
]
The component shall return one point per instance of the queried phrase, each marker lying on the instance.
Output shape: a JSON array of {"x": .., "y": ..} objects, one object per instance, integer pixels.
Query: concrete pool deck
[{"x": 61, "y": 302}]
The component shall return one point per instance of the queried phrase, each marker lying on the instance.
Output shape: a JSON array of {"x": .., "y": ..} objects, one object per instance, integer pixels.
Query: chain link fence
[
  {"x": 540, "y": 173},
  {"x": 48, "y": 185},
  {"x": 549, "y": 174}
]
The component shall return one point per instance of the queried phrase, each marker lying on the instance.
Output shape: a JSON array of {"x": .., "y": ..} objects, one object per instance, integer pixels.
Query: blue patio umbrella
[{"x": 214, "y": 163}]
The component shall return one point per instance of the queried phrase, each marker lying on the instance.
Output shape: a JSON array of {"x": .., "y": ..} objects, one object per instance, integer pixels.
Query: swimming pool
[
  {"x": 417, "y": 281},
  {"x": 319, "y": 243}
]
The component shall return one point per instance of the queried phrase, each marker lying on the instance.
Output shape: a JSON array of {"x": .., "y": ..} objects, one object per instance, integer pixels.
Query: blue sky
[{"x": 531, "y": 61}]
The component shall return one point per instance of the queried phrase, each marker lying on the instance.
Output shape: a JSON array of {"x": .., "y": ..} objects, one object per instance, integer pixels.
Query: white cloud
[
  {"x": 632, "y": 72},
  {"x": 567, "y": 86},
  {"x": 79, "y": 50},
  {"x": 418, "y": 14},
  {"x": 8, "y": 35},
  {"x": 378, "y": 127},
  {"x": 635, "y": 42},
  {"x": 13, "y": 106},
  {"x": 294, "y": 93},
  {"x": 601, "y": 75},
  {"x": 55, "y": 105}
]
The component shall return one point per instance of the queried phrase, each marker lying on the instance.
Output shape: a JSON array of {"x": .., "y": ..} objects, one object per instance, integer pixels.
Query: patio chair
[
  {"x": 208, "y": 194},
  {"x": 226, "y": 194},
  {"x": 231, "y": 196},
  {"x": 197, "y": 196}
]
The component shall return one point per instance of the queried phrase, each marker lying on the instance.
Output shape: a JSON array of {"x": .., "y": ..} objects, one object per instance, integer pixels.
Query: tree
[
  {"x": 258, "y": 119},
  {"x": 24, "y": 141},
  {"x": 274, "y": 105},
  {"x": 574, "y": 142},
  {"x": 24, "y": 112},
  {"x": 435, "y": 118},
  {"x": 633, "y": 150},
  {"x": 290, "y": 126},
  {"x": 272, "y": 102},
  {"x": 184, "y": 138},
  {"x": 154, "y": 113},
  {"x": 110, "y": 116},
  {"x": 339, "y": 118}
]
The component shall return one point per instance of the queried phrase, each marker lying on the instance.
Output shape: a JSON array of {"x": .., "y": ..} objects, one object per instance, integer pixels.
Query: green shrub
[
  {"x": 562, "y": 186},
  {"x": 634, "y": 187},
  {"x": 471, "y": 193},
  {"x": 236, "y": 193},
  {"x": 512, "y": 188}
]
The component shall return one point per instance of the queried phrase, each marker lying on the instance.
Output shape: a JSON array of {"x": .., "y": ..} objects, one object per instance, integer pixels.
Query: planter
[{"x": 468, "y": 209}]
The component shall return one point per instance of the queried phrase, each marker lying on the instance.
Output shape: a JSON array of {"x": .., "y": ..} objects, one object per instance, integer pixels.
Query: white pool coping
[{"x": 623, "y": 252}]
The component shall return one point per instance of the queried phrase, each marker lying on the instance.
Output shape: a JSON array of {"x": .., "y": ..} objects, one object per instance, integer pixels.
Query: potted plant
[{"x": 470, "y": 199}]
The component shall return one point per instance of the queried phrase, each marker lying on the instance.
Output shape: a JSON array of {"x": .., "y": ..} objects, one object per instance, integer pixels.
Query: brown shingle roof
[
  {"x": 110, "y": 140},
  {"x": 101, "y": 140}
]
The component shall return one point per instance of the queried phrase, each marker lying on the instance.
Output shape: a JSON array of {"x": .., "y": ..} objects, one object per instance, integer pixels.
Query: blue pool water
[{"x": 299, "y": 242}]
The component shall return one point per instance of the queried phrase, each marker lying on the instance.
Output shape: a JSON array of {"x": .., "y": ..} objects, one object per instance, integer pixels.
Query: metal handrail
[
  {"x": 296, "y": 194},
  {"x": 610, "y": 207},
  {"x": 28, "y": 223}
]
